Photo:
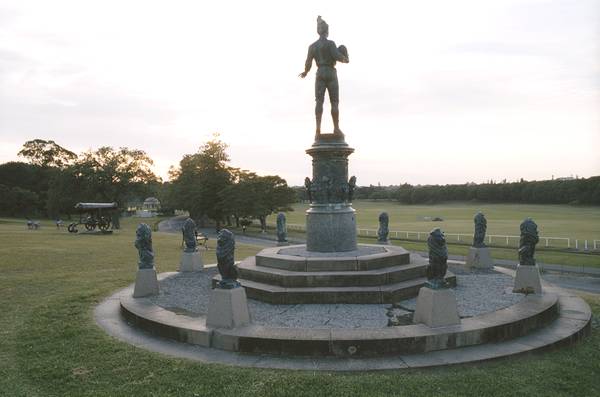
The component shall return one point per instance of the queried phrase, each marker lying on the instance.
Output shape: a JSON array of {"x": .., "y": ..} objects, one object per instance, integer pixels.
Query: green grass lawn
[
  {"x": 577, "y": 222},
  {"x": 50, "y": 282}
]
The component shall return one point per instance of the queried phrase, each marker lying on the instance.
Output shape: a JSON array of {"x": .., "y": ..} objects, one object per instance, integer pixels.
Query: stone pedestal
[
  {"x": 480, "y": 258},
  {"x": 436, "y": 308},
  {"x": 330, "y": 228},
  {"x": 282, "y": 243},
  {"x": 146, "y": 283},
  {"x": 386, "y": 242},
  {"x": 191, "y": 262},
  {"x": 527, "y": 280},
  {"x": 330, "y": 220},
  {"x": 227, "y": 308}
]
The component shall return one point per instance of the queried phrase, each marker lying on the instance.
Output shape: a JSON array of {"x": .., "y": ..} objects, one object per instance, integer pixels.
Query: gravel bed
[{"x": 477, "y": 292}]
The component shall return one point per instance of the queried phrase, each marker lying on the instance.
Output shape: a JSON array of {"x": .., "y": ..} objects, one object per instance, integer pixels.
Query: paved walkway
[{"x": 585, "y": 279}]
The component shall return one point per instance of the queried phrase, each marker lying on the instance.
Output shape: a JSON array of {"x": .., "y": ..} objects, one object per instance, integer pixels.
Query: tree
[
  {"x": 47, "y": 153},
  {"x": 15, "y": 201},
  {"x": 274, "y": 195},
  {"x": 239, "y": 197},
  {"x": 103, "y": 175},
  {"x": 254, "y": 196},
  {"x": 28, "y": 177},
  {"x": 198, "y": 183},
  {"x": 64, "y": 192}
]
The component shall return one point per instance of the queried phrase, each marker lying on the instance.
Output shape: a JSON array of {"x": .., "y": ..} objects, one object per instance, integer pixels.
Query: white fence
[{"x": 492, "y": 239}]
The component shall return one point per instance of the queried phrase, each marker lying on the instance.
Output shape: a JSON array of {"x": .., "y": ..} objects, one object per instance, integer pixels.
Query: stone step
[
  {"x": 297, "y": 279},
  {"x": 388, "y": 293},
  {"x": 367, "y": 257}
]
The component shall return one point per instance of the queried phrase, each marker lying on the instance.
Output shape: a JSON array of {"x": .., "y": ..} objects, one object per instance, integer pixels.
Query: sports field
[{"x": 575, "y": 222}]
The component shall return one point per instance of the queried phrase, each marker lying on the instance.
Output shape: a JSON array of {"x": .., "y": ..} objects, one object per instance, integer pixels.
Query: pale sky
[{"x": 435, "y": 91}]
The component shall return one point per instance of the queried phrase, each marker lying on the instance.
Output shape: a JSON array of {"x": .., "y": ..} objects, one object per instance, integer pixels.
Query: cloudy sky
[{"x": 435, "y": 92}]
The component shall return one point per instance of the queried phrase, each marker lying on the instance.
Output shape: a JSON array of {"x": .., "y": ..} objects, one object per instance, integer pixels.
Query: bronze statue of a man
[{"x": 326, "y": 54}]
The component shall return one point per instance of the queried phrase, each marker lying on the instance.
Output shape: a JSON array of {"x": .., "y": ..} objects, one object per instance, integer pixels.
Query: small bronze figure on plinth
[
  {"x": 438, "y": 260},
  {"x": 225, "y": 260},
  {"x": 529, "y": 239}
]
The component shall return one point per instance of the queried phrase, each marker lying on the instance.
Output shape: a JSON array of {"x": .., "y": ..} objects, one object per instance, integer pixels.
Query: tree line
[
  {"x": 559, "y": 191},
  {"x": 54, "y": 179}
]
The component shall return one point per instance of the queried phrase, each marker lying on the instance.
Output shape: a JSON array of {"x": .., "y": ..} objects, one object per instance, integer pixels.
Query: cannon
[{"x": 93, "y": 215}]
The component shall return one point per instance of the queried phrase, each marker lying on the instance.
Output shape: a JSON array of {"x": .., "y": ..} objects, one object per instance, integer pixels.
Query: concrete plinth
[
  {"x": 330, "y": 228},
  {"x": 527, "y": 280},
  {"x": 191, "y": 262},
  {"x": 480, "y": 258},
  {"x": 227, "y": 308},
  {"x": 146, "y": 283},
  {"x": 436, "y": 308}
]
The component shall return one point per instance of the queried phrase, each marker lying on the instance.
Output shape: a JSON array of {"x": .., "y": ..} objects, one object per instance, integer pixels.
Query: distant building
[
  {"x": 151, "y": 204},
  {"x": 149, "y": 208}
]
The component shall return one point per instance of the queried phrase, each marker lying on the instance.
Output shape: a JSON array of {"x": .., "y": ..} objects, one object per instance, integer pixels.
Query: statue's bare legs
[
  {"x": 327, "y": 82},
  {"x": 318, "y": 115},
  {"x": 335, "y": 115}
]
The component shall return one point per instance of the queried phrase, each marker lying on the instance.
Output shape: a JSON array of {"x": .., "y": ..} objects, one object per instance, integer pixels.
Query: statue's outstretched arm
[{"x": 308, "y": 63}]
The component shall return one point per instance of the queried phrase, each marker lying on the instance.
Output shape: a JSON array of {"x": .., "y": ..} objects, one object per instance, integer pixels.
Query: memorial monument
[
  {"x": 330, "y": 222},
  {"x": 436, "y": 303},
  {"x": 191, "y": 261},
  {"x": 479, "y": 254},
  {"x": 146, "y": 282},
  {"x": 331, "y": 267},
  {"x": 527, "y": 278}
]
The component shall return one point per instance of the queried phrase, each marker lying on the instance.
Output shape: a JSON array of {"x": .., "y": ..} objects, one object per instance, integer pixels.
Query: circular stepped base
[
  {"x": 387, "y": 293},
  {"x": 370, "y": 274},
  {"x": 532, "y": 313},
  {"x": 556, "y": 318},
  {"x": 366, "y": 257}
]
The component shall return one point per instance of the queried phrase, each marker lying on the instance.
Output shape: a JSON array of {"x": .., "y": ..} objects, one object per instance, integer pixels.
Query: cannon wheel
[
  {"x": 104, "y": 224},
  {"x": 72, "y": 228},
  {"x": 90, "y": 224}
]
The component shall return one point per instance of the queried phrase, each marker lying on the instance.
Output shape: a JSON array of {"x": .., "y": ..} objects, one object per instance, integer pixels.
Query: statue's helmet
[{"x": 322, "y": 27}]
